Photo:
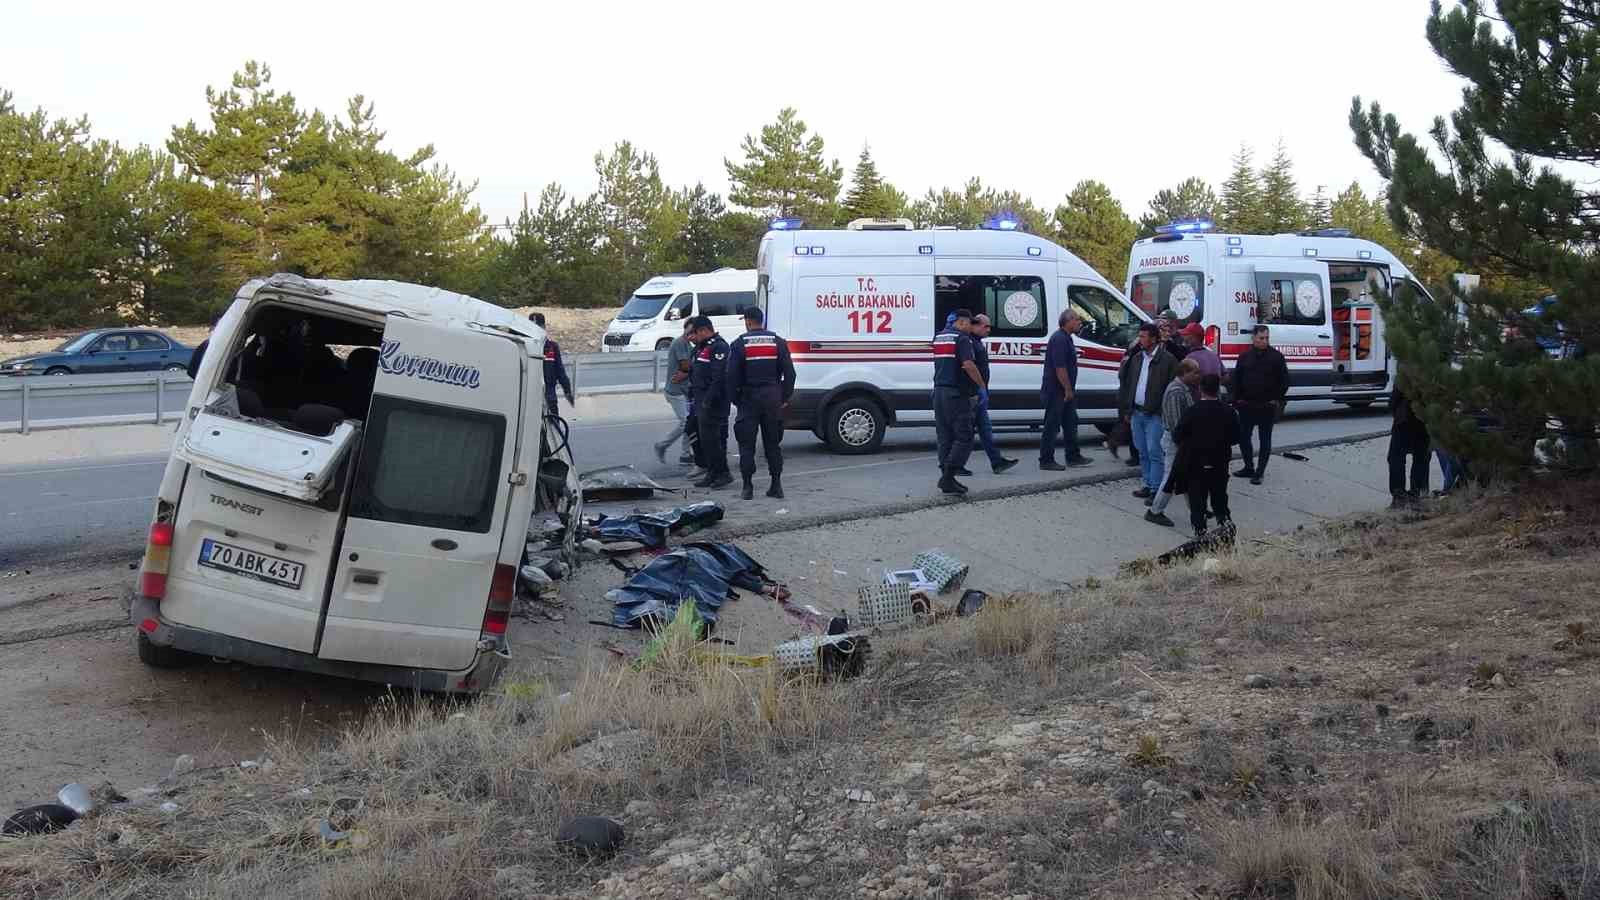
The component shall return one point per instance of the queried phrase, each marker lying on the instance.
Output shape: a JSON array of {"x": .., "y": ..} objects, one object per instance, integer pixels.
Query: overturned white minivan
[{"x": 351, "y": 486}]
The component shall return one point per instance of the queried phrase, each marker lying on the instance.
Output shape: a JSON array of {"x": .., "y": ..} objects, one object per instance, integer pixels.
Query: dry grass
[{"x": 1382, "y": 763}]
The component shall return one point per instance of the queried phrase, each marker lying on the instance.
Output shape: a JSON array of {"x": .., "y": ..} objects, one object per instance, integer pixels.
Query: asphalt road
[
  {"x": 47, "y": 403},
  {"x": 49, "y": 509},
  {"x": 590, "y": 373}
]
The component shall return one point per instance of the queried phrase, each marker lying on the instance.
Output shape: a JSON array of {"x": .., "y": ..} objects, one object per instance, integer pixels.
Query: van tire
[
  {"x": 855, "y": 425},
  {"x": 158, "y": 657},
  {"x": 664, "y": 344}
]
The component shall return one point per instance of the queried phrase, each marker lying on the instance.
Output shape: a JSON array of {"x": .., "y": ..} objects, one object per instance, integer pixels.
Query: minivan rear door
[{"x": 429, "y": 499}]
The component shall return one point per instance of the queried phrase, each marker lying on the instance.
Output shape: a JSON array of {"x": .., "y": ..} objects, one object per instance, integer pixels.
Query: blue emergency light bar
[
  {"x": 789, "y": 224},
  {"x": 1001, "y": 222},
  {"x": 1185, "y": 226}
]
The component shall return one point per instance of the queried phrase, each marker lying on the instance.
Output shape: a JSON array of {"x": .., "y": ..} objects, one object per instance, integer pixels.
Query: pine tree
[
  {"x": 1241, "y": 208},
  {"x": 1191, "y": 198},
  {"x": 1282, "y": 210},
  {"x": 1531, "y": 71},
  {"x": 58, "y": 222},
  {"x": 973, "y": 204},
  {"x": 870, "y": 197},
  {"x": 1092, "y": 224},
  {"x": 1319, "y": 209},
  {"x": 236, "y": 163},
  {"x": 785, "y": 173}
]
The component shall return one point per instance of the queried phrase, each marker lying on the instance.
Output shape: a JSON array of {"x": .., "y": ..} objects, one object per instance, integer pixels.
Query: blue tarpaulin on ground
[{"x": 704, "y": 573}]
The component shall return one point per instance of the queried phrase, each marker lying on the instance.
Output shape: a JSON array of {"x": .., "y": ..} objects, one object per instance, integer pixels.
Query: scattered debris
[
  {"x": 1212, "y": 540},
  {"x": 856, "y": 795},
  {"x": 183, "y": 765},
  {"x": 971, "y": 602},
  {"x": 1257, "y": 682},
  {"x": 618, "y": 483},
  {"x": 841, "y": 655},
  {"x": 170, "y": 808},
  {"x": 76, "y": 797},
  {"x": 42, "y": 819},
  {"x": 592, "y": 835},
  {"x": 1290, "y": 454},
  {"x": 943, "y": 570}
]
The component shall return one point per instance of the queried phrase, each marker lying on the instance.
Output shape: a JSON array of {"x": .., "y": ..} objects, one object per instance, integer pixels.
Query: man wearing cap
[
  {"x": 985, "y": 429},
  {"x": 760, "y": 379},
  {"x": 1194, "y": 338},
  {"x": 1058, "y": 392},
  {"x": 958, "y": 389}
]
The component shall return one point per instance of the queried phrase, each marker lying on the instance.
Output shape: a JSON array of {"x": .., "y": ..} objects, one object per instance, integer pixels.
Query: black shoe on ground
[
  {"x": 1155, "y": 518},
  {"x": 1132, "y": 463},
  {"x": 964, "y": 472},
  {"x": 775, "y": 490},
  {"x": 950, "y": 485},
  {"x": 661, "y": 453},
  {"x": 1078, "y": 462},
  {"x": 705, "y": 480},
  {"x": 1003, "y": 465},
  {"x": 1255, "y": 479},
  {"x": 1144, "y": 493},
  {"x": 1399, "y": 503},
  {"x": 1245, "y": 473},
  {"x": 1050, "y": 465},
  {"x": 748, "y": 492},
  {"x": 720, "y": 481}
]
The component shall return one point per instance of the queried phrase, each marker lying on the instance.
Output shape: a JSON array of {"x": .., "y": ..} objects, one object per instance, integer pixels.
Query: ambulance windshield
[{"x": 644, "y": 306}]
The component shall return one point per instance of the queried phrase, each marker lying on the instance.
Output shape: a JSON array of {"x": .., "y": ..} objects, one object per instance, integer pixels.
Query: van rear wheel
[
  {"x": 158, "y": 657},
  {"x": 855, "y": 425},
  {"x": 664, "y": 343}
]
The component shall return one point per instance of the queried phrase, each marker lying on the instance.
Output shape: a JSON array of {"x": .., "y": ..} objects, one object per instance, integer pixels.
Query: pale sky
[{"x": 1028, "y": 96}]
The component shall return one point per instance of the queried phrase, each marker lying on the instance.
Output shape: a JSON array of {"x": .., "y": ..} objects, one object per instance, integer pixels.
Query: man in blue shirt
[
  {"x": 998, "y": 461},
  {"x": 1057, "y": 392},
  {"x": 958, "y": 388}
]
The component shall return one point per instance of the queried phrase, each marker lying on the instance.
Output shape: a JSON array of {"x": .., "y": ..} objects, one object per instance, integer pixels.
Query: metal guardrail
[{"x": 591, "y": 373}]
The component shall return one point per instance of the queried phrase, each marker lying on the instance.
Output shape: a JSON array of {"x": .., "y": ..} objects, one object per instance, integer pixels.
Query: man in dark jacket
[
  {"x": 1207, "y": 433},
  {"x": 707, "y": 375},
  {"x": 1142, "y": 380},
  {"x": 1260, "y": 389},
  {"x": 1409, "y": 436},
  {"x": 555, "y": 370},
  {"x": 760, "y": 378}
]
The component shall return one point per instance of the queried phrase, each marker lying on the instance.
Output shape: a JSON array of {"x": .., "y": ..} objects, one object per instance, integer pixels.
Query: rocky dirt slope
[{"x": 1401, "y": 705}]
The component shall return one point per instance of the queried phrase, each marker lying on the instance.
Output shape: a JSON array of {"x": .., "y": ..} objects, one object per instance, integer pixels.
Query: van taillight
[
  {"x": 157, "y": 561},
  {"x": 501, "y": 591},
  {"x": 1213, "y": 338}
]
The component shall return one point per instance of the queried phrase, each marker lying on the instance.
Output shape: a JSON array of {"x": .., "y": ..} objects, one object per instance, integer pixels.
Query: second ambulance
[{"x": 1317, "y": 292}]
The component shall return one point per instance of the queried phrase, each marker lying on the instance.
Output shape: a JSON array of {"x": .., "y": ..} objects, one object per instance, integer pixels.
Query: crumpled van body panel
[{"x": 372, "y": 550}]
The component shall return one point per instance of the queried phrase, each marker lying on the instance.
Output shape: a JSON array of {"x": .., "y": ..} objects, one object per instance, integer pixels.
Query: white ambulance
[
  {"x": 351, "y": 488},
  {"x": 655, "y": 314},
  {"x": 860, "y": 306},
  {"x": 1317, "y": 291}
]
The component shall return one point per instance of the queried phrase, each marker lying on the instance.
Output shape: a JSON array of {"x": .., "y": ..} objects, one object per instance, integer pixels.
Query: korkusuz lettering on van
[{"x": 426, "y": 368}]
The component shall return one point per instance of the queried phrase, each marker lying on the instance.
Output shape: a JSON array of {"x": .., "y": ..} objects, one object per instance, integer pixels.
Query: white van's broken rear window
[{"x": 429, "y": 465}]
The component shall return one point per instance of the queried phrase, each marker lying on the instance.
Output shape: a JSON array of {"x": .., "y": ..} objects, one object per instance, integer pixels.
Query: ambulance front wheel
[{"x": 856, "y": 425}]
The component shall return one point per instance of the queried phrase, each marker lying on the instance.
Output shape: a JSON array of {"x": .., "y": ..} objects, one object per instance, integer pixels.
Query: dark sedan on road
[{"x": 107, "y": 350}]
